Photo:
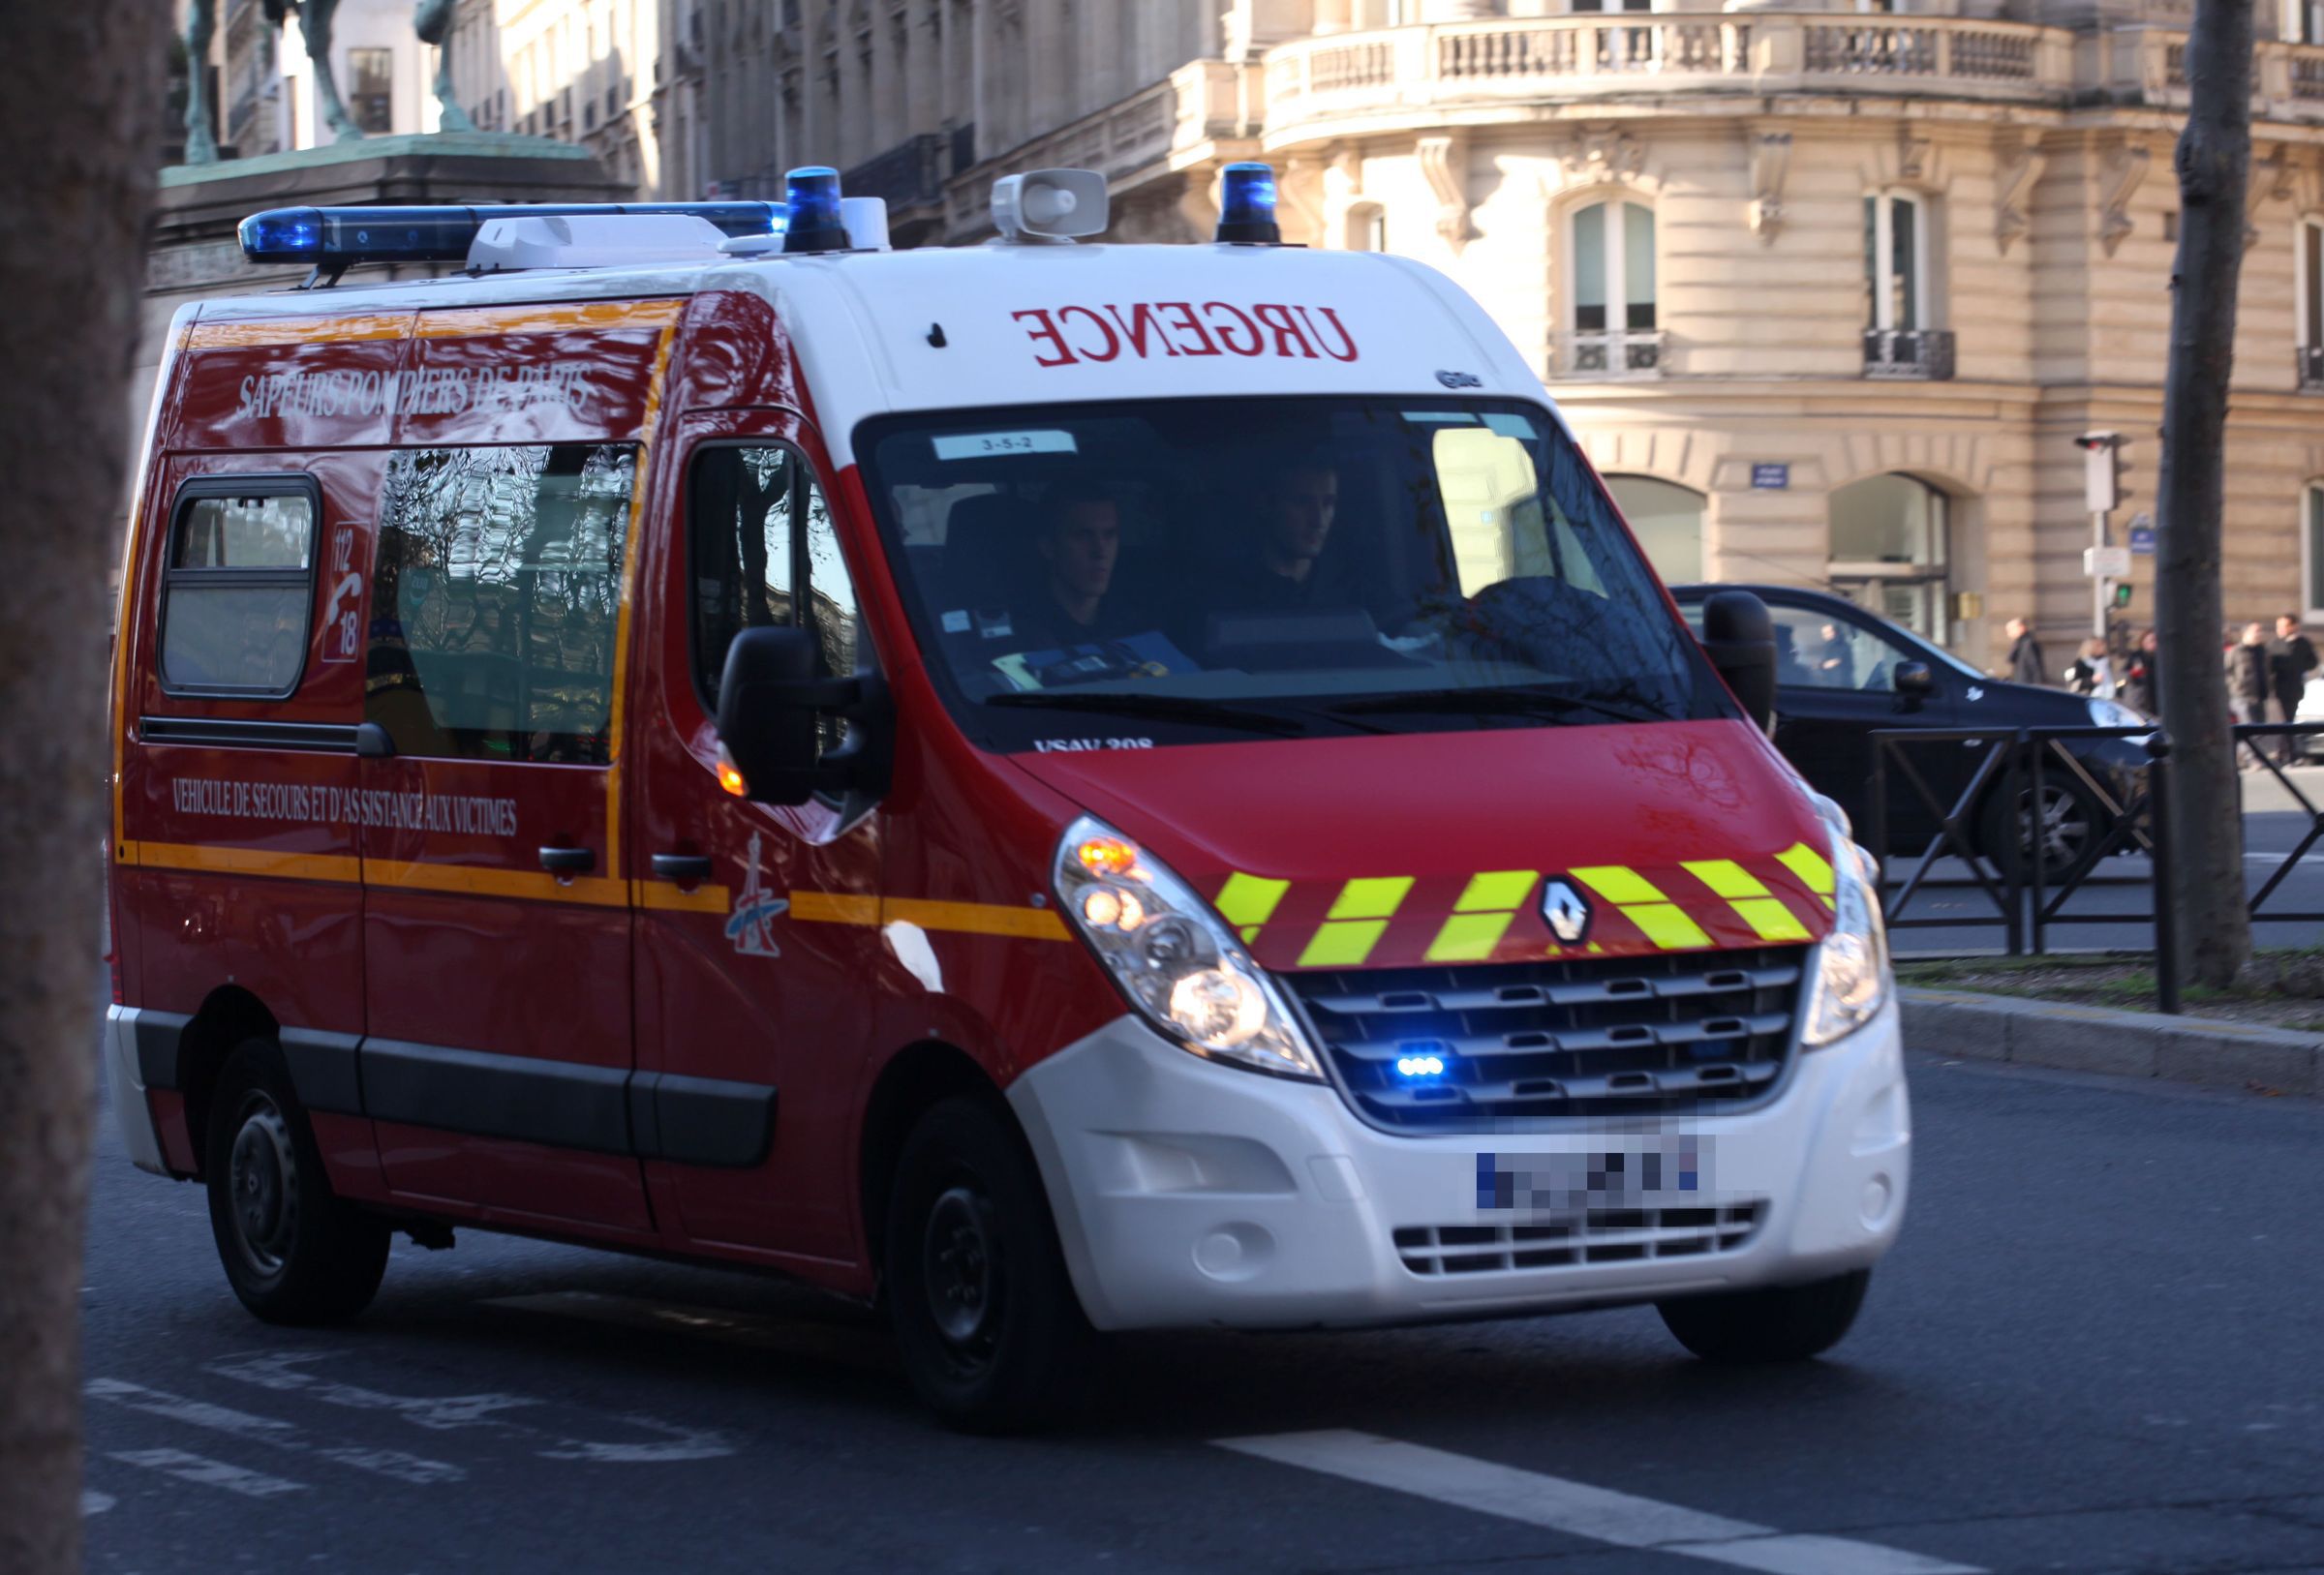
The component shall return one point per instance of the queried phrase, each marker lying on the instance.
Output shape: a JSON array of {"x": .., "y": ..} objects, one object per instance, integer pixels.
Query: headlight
[
  {"x": 2108, "y": 714},
  {"x": 1171, "y": 955},
  {"x": 1851, "y": 971}
]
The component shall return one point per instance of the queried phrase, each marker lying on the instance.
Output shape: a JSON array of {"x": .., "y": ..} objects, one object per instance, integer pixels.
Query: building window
[
  {"x": 2309, "y": 238},
  {"x": 1610, "y": 314},
  {"x": 1592, "y": 8},
  {"x": 1368, "y": 227},
  {"x": 1896, "y": 260},
  {"x": 371, "y": 80},
  {"x": 2304, "y": 21},
  {"x": 2311, "y": 550},
  {"x": 237, "y": 589},
  {"x": 1900, "y": 340},
  {"x": 1890, "y": 550},
  {"x": 1668, "y": 520},
  {"x": 494, "y": 601}
]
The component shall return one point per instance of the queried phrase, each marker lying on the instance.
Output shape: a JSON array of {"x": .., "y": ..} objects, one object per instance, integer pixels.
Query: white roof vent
[{"x": 593, "y": 241}]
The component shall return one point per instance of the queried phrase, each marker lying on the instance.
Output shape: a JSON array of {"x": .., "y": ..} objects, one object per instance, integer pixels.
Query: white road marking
[
  {"x": 836, "y": 1343},
  {"x": 1579, "y": 1509},
  {"x": 93, "y": 1503},
  {"x": 286, "y": 1372},
  {"x": 214, "y": 1473},
  {"x": 270, "y": 1431}
]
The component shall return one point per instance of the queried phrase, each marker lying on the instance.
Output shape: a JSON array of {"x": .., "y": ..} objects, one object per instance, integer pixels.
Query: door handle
[
  {"x": 681, "y": 866},
  {"x": 567, "y": 863}
]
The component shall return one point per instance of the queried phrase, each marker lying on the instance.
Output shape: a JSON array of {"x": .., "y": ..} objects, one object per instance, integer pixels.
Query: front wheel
[
  {"x": 2065, "y": 832},
  {"x": 294, "y": 1252},
  {"x": 1782, "y": 1323},
  {"x": 992, "y": 1333}
]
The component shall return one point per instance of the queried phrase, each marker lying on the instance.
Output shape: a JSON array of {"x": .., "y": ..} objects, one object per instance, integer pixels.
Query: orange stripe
[
  {"x": 551, "y": 317},
  {"x": 224, "y": 861},
  {"x": 239, "y": 335},
  {"x": 972, "y": 917},
  {"x": 661, "y": 896},
  {"x": 595, "y": 890},
  {"x": 835, "y": 908}
]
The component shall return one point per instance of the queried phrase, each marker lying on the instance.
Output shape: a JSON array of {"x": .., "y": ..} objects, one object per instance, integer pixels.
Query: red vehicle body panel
[{"x": 327, "y": 891}]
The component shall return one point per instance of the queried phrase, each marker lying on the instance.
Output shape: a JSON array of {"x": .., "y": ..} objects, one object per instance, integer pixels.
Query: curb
[{"x": 2121, "y": 1044}]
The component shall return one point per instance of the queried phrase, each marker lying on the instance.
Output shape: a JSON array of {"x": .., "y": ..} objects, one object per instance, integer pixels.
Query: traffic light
[
  {"x": 2099, "y": 469},
  {"x": 2122, "y": 599}
]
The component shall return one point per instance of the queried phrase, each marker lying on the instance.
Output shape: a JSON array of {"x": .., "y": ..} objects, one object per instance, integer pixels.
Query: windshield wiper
[
  {"x": 1491, "y": 703},
  {"x": 1165, "y": 708}
]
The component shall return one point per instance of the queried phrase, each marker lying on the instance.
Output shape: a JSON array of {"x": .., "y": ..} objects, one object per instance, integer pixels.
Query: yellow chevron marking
[
  {"x": 1371, "y": 897},
  {"x": 1496, "y": 890},
  {"x": 1642, "y": 903},
  {"x": 1247, "y": 901},
  {"x": 1762, "y": 909},
  {"x": 1813, "y": 868},
  {"x": 1469, "y": 937},
  {"x": 1342, "y": 943}
]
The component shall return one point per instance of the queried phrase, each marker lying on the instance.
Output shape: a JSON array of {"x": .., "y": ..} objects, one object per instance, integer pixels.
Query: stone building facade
[{"x": 1828, "y": 292}]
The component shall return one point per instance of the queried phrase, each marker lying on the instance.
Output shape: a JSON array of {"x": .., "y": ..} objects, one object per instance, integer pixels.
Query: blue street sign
[
  {"x": 1771, "y": 477},
  {"x": 2142, "y": 536}
]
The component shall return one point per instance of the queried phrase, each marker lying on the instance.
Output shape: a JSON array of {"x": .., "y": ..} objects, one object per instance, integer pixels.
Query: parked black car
[{"x": 1843, "y": 672}]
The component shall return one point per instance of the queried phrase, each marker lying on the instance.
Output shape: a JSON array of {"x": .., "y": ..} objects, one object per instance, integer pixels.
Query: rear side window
[
  {"x": 496, "y": 600},
  {"x": 237, "y": 588}
]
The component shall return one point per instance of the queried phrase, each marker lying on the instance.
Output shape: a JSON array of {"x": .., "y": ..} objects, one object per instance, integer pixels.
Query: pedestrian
[
  {"x": 2138, "y": 684},
  {"x": 2249, "y": 680},
  {"x": 2087, "y": 673},
  {"x": 2291, "y": 659},
  {"x": 2026, "y": 665}
]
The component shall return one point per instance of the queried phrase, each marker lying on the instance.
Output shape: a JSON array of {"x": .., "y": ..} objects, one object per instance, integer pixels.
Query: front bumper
[{"x": 1191, "y": 1193}]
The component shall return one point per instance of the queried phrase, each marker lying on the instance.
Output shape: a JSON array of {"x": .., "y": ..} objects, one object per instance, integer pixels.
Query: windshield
[{"x": 1179, "y": 571}]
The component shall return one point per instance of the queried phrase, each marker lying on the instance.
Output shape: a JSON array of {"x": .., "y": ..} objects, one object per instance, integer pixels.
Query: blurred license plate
[{"x": 1658, "y": 1171}]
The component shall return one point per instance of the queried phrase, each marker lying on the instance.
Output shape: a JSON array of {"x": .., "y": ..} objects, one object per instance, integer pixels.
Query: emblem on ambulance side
[
  {"x": 752, "y": 927},
  {"x": 1568, "y": 915}
]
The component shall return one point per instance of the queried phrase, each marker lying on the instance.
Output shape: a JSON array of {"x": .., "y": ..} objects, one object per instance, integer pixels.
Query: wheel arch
[
  {"x": 229, "y": 1016},
  {"x": 914, "y": 1080}
]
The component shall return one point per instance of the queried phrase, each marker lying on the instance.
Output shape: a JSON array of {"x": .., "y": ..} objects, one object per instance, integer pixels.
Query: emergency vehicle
[{"x": 1061, "y": 787}]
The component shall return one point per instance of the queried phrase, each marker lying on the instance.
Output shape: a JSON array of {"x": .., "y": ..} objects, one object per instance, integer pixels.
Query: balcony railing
[
  {"x": 1614, "y": 353},
  {"x": 2312, "y": 367},
  {"x": 908, "y": 175},
  {"x": 1311, "y": 84},
  {"x": 1416, "y": 67},
  {"x": 1909, "y": 354}
]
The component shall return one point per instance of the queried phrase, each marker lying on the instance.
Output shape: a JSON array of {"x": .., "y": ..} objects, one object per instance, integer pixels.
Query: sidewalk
[{"x": 2071, "y": 1038}]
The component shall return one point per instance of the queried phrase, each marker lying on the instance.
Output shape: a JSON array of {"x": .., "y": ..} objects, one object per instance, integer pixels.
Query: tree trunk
[
  {"x": 2214, "y": 167},
  {"x": 80, "y": 119}
]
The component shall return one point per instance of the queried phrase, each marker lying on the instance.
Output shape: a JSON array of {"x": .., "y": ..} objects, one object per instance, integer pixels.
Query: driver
[{"x": 1298, "y": 508}]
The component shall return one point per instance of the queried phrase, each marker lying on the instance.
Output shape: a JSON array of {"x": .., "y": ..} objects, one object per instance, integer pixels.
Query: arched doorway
[
  {"x": 1668, "y": 520},
  {"x": 1890, "y": 540}
]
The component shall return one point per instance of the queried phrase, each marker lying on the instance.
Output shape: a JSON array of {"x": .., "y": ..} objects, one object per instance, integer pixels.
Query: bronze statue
[{"x": 432, "y": 19}]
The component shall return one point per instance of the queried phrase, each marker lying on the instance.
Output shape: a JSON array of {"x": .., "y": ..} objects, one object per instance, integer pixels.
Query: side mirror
[
  {"x": 1739, "y": 637},
  {"x": 771, "y": 707},
  {"x": 1914, "y": 679}
]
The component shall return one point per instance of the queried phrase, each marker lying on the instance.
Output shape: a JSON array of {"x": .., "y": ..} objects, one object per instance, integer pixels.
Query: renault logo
[{"x": 1568, "y": 914}]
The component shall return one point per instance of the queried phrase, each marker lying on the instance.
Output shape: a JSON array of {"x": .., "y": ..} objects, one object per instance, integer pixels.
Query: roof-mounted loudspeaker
[{"x": 1050, "y": 205}]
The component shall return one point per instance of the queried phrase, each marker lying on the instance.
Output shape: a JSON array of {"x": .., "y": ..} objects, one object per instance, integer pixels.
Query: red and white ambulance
[{"x": 1057, "y": 786}]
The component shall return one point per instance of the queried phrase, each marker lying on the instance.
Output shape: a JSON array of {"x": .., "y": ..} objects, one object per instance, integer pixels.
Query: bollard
[{"x": 2167, "y": 928}]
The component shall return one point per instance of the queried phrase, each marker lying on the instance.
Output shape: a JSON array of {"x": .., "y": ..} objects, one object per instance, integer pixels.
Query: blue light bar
[
  {"x": 811, "y": 195},
  {"x": 337, "y": 238},
  {"x": 1246, "y": 207}
]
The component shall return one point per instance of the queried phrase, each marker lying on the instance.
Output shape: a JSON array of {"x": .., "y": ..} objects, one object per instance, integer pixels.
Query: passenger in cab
[{"x": 1078, "y": 548}]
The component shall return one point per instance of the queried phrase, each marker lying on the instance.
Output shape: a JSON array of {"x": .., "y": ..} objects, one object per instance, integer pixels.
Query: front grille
[
  {"x": 1526, "y": 1041},
  {"x": 1598, "y": 1235}
]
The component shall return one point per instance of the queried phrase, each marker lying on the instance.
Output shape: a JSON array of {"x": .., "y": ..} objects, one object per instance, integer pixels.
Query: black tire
[
  {"x": 2070, "y": 836},
  {"x": 1784, "y": 1324},
  {"x": 993, "y": 1336},
  {"x": 294, "y": 1252}
]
